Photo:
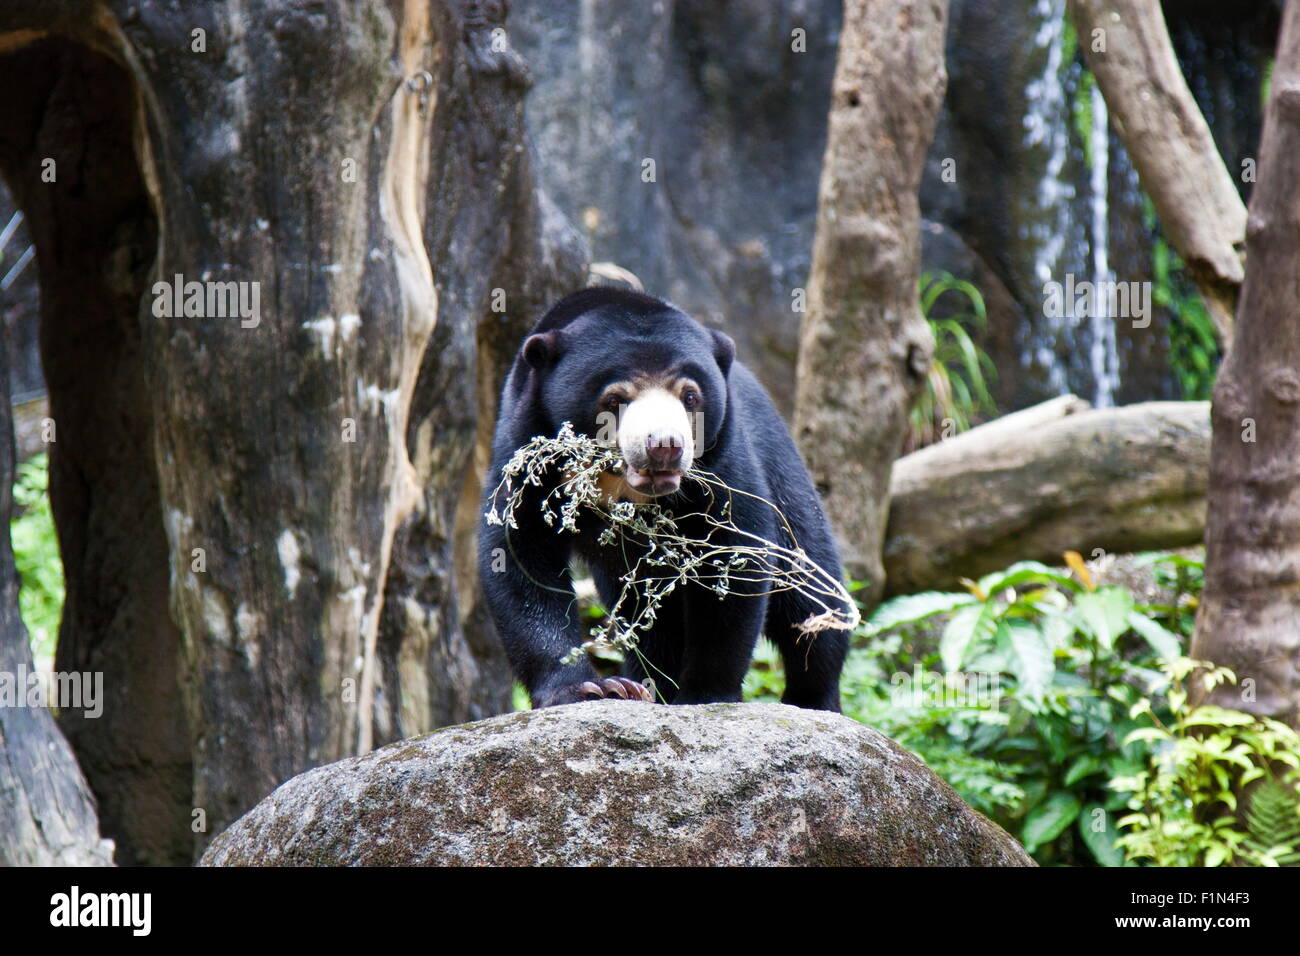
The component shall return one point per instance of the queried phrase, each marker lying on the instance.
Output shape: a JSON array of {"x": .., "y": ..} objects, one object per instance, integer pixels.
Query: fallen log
[{"x": 1037, "y": 483}]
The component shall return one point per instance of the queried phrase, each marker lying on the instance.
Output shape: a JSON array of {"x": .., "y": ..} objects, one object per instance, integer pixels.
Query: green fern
[
  {"x": 1272, "y": 823},
  {"x": 957, "y": 388}
]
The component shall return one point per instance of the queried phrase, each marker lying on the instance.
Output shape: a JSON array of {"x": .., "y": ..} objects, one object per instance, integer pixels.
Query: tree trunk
[
  {"x": 1250, "y": 612},
  {"x": 501, "y": 254},
  {"x": 1029, "y": 486},
  {"x": 1169, "y": 142},
  {"x": 278, "y": 479},
  {"x": 47, "y": 814},
  {"x": 864, "y": 345},
  {"x": 95, "y": 236}
]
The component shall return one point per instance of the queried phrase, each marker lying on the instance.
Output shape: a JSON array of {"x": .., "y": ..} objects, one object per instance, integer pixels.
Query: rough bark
[
  {"x": 1170, "y": 144},
  {"x": 1250, "y": 612},
  {"x": 493, "y": 237},
  {"x": 95, "y": 236},
  {"x": 864, "y": 345},
  {"x": 1031, "y": 487},
  {"x": 47, "y": 813},
  {"x": 263, "y": 478},
  {"x": 29, "y": 424}
]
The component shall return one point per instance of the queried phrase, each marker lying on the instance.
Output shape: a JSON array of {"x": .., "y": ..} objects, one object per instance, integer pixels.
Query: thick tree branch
[{"x": 1127, "y": 47}]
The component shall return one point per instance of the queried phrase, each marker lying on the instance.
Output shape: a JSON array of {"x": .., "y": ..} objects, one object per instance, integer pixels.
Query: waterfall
[
  {"x": 1045, "y": 122},
  {"x": 1067, "y": 240},
  {"x": 1102, "y": 351}
]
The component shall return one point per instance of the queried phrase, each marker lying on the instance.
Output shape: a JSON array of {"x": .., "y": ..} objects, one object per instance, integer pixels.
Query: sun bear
[{"x": 683, "y": 402}]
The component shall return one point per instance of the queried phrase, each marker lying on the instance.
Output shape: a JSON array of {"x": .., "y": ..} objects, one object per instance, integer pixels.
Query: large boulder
[{"x": 615, "y": 782}]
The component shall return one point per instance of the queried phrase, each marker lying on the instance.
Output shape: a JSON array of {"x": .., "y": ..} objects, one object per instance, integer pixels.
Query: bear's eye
[
  {"x": 690, "y": 399},
  {"x": 611, "y": 402}
]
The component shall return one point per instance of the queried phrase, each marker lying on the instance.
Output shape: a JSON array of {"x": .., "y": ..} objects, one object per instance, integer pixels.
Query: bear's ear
[
  {"x": 724, "y": 350},
  {"x": 542, "y": 349}
]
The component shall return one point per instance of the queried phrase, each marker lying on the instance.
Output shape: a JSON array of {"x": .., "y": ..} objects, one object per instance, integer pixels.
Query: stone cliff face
[
  {"x": 734, "y": 117},
  {"x": 735, "y": 120}
]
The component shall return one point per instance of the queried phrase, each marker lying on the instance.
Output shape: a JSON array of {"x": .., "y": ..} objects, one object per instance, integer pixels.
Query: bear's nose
[{"x": 664, "y": 451}]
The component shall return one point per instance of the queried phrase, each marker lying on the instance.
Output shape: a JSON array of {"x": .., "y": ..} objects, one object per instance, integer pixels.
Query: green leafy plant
[
  {"x": 869, "y": 696},
  {"x": 1183, "y": 576},
  {"x": 1087, "y": 749},
  {"x": 1193, "y": 342},
  {"x": 1069, "y": 661},
  {"x": 1272, "y": 822},
  {"x": 1081, "y": 108},
  {"x": 957, "y": 385},
  {"x": 1200, "y": 759},
  {"x": 36, "y": 556}
]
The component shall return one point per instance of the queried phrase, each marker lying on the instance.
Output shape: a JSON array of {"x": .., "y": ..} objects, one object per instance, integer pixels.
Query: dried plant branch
[{"x": 666, "y": 559}]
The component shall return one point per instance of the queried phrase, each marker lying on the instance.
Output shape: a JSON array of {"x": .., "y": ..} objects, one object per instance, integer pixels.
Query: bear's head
[{"x": 632, "y": 370}]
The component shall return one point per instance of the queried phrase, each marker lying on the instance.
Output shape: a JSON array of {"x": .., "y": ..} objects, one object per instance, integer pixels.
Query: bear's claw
[
  {"x": 598, "y": 688},
  {"x": 614, "y": 687}
]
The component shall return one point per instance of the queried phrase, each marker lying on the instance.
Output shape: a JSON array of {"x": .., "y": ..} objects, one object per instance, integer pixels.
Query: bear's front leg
[
  {"x": 525, "y": 578},
  {"x": 720, "y": 638}
]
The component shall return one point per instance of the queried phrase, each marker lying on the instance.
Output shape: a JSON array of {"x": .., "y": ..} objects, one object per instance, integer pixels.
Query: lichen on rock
[{"x": 622, "y": 783}]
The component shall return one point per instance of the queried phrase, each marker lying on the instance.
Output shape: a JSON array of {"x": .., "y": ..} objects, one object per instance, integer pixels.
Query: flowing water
[
  {"x": 1102, "y": 349},
  {"x": 1073, "y": 352}
]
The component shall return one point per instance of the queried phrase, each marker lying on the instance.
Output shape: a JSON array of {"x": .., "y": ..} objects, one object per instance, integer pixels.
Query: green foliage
[
  {"x": 1069, "y": 41},
  {"x": 1183, "y": 577},
  {"x": 867, "y": 697},
  {"x": 1081, "y": 113},
  {"x": 1199, "y": 759},
  {"x": 1273, "y": 823},
  {"x": 765, "y": 679},
  {"x": 1018, "y": 692},
  {"x": 1193, "y": 342},
  {"x": 1079, "y": 739},
  {"x": 36, "y": 555},
  {"x": 957, "y": 385}
]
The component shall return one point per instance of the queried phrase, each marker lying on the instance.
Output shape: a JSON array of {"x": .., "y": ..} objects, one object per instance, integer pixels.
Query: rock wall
[
  {"x": 735, "y": 120},
  {"x": 719, "y": 96}
]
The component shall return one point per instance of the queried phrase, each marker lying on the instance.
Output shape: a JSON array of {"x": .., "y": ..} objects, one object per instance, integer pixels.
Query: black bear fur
[{"x": 701, "y": 645}]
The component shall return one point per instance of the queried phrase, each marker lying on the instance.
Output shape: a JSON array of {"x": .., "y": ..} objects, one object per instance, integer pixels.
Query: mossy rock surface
[{"x": 621, "y": 783}]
